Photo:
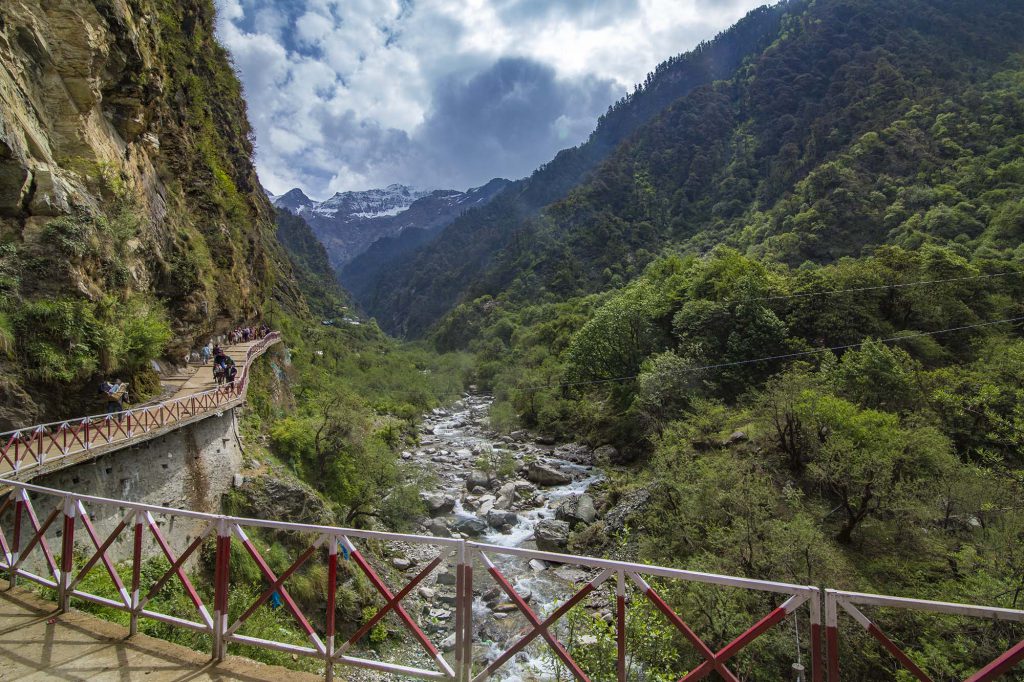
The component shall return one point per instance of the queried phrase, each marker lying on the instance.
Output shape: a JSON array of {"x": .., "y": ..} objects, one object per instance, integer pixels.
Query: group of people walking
[
  {"x": 224, "y": 370},
  {"x": 115, "y": 393},
  {"x": 246, "y": 334}
]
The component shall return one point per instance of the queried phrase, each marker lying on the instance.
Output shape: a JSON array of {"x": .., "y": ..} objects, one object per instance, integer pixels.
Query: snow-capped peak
[{"x": 373, "y": 203}]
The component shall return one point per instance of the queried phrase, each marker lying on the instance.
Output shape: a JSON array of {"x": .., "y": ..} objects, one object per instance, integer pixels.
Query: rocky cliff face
[{"x": 127, "y": 192}]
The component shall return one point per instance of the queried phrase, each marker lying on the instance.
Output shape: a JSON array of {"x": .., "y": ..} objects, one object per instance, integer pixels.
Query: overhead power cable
[
  {"x": 784, "y": 356},
  {"x": 878, "y": 287}
]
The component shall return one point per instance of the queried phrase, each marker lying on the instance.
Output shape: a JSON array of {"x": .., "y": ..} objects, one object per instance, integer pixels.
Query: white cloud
[{"x": 347, "y": 94}]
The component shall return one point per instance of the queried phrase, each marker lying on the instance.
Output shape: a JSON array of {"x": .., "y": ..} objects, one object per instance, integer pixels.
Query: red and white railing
[
  {"x": 33, "y": 549},
  {"x": 26, "y": 541},
  {"x": 37, "y": 445},
  {"x": 628, "y": 577},
  {"x": 837, "y": 600}
]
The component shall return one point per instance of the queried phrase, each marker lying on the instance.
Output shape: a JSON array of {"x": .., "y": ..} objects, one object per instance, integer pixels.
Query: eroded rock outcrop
[{"x": 125, "y": 172}]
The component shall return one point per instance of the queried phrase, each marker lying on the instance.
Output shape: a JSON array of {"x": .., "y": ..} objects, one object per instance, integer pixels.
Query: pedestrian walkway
[
  {"x": 198, "y": 377},
  {"x": 39, "y": 643},
  {"x": 42, "y": 448}
]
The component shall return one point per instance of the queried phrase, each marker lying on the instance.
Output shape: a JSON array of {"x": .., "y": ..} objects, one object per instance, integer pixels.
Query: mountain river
[{"x": 540, "y": 483}]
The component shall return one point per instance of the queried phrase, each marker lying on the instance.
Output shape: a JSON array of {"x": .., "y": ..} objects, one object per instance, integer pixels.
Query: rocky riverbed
[{"x": 516, "y": 490}]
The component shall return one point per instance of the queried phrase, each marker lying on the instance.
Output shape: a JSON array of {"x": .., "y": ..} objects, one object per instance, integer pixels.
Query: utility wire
[
  {"x": 785, "y": 356},
  {"x": 879, "y": 287}
]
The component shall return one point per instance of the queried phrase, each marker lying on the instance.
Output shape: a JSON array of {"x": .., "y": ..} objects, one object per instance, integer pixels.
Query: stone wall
[{"x": 190, "y": 468}]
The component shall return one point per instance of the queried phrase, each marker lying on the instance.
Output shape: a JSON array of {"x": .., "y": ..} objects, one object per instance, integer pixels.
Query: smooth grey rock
[
  {"x": 478, "y": 479},
  {"x": 437, "y": 528},
  {"x": 606, "y": 454},
  {"x": 470, "y": 525},
  {"x": 577, "y": 453},
  {"x": 576, "y": 510},
  {"x": 437, "y": 503},
  {"x": 543, "y": 474},
  {"x": 618, "y": 518},
  {"x": 735, "y": 438},
  {"x": 502, "y": 520}
]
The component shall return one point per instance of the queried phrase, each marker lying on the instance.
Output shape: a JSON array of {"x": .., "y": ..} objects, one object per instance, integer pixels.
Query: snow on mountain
[
  {"x": 374, "y": 203},
  {"x": 350, "y": 222}
]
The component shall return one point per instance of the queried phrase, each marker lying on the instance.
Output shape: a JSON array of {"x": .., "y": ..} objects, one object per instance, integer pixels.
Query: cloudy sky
[{"x": 355, "y": 94}]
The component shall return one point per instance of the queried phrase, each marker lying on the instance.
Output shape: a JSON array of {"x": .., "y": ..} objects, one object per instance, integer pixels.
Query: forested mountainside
[
  {"x": 311, "y": 266},
  {"x": 132, "y": 220},
  {"x": 792, "y": 306},
  {"x": 846, "y": 134},
  {"x": 407, "y": 291},
  {"x": 727, "y": 161},
  {"x": 409, "y": 230}
]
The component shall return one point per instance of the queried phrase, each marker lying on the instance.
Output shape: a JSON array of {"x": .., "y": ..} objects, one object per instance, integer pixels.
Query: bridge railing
[
  {"x": 837, "y": 601},
  {"x": 52, "y": 538},
  {"x": 629, "y": 581},
  {"x": 36, "y": 445}
]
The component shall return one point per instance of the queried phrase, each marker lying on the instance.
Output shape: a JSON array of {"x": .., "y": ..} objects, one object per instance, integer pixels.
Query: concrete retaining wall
[{"x": 189, "y": 468}]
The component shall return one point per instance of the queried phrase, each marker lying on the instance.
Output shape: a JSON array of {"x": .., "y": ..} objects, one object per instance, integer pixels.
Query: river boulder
[
  {"x": 545, "y": 474},
  {"x": 479, "y": 479},
  {"x": 502, "y": 520},
  {"x": 437, "y": 503},
  {"x": 282, "y": 498},
  {"x": 506, "y": 496},
  {"x": 438, "y": 529},
  {"x": 606, "y": 454},
  {"x": 470, "y": 525},
  {"x": 577, "y": 453},
  {"x": 576, "y": 510},
  {"x": 551, "y": 535}
]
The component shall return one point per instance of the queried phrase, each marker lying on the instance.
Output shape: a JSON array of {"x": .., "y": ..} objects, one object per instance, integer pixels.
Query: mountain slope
[
  {"x": 417, "y": 226},
  {"x": 311, "y": 266},
  {"x": 132, "y": 219},
  {"x": 409, "y": 292},
  {"x": 807, "y": 154},
  {"x": 349, "y": 223},
  {"x": 752, "y": 160}
]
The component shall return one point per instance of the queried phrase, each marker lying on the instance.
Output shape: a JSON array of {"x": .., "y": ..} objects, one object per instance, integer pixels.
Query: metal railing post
[
  {"x": 332, "y": 591},
  {"x": 620, "y": 624},
  {"x": 832, "y": 636},
  {"x": 220, "y": 587},
  {"x": 40, "y": 456},
  {"x": 817, "y": 663},
  {"x": 460, "y": 609},
  {"x": 67, "y": 552},
  {"x": 467, "y": 618},
  {"x": 19, "y": 506},
  {"x": 133, "y": 624}
]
